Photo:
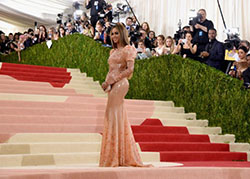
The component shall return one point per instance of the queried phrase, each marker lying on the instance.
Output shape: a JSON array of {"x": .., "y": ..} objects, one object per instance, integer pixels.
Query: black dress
[{"x": 187, "y": 51}]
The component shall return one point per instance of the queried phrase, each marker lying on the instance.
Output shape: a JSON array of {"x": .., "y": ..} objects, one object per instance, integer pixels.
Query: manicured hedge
[{"x": 197, "y": 87}]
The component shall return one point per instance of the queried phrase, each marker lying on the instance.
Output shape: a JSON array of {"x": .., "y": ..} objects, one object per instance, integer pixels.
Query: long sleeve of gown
[{"x": 129, "y": 56}]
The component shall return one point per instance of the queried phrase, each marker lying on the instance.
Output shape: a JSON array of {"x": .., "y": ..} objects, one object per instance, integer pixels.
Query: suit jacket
[
  {"x": 96, "y": 6},
  {"x": 216, "y": 54}
]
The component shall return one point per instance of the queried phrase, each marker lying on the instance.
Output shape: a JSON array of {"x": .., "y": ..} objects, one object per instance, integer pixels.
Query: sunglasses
[{"x": 116, "y": 33}]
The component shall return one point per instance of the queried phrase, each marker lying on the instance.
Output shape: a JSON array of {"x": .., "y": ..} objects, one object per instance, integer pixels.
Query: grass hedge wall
[{"x": 197, "y": 87}]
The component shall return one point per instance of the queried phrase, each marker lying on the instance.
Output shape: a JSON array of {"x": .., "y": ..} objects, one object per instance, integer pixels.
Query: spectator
[
  {"x": 16, "y": 38},
  {"x": 245, "y": 43},
  {"x": 108, "y": 10},
  {"x": 214, "y": 51},
  {"x": 246, "y": 73},
  {"x": 129, "y": 23},
  {"x": 52, "y": 34},
  {"x": 28, "y": 42},
  {"x": 161, "y": 48},
  {"x": 145, "y": 26},
  {"x": 70, "y": 29},
  {"x": 169, "y": 45},
  {"x": 99, "y": 35},
  {"x": 3, "y": 43},
  {"x": 88, "y": 30},
  {"x": 42, "y": 34},
  {"x": 142, "y": 51},
  {"x": 200, "y": 32},
  {"x": 145, "y": 39},
  {"x": 11, "y": 37},
  {"x": 241, "y": 65},
  {"x": 12, "y": 47},
  {"x": 95, "y": 6},
  {"x": 152, "y": 39},
  {"x": 185, "y": 47},
  {"x": 21, "y": 46},
  {"x": 61, "y": 32}
]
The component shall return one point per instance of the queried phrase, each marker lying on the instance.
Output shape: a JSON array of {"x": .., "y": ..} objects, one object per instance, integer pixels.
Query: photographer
[
  {"x": 88, "y": 30},
  {"x": 95, "y": 6},
  {"x": 200, "y": 29},
  {"x": 185, "y": 47},
  {"x": 214, "y": 51},
  {"x": 246, "y": 73}
]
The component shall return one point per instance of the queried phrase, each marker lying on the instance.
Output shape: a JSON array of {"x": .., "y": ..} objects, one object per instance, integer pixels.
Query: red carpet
[
  {"x": 57, "y": 77},
  {"x": 175, "y": 144}
]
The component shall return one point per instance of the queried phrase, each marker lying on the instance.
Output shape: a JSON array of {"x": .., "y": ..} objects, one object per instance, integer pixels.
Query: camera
[
  {"x": 59, "y": 18},
  {"x": 233, "y": 39},
  {"x": 135, "y": 34},
  {"x": 195, "y": 20}
]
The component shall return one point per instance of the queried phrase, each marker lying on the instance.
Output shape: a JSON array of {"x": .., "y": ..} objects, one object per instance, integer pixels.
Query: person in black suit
[
  {"x": 214, "y": 51},
  {"x": 95, "y": 6}
]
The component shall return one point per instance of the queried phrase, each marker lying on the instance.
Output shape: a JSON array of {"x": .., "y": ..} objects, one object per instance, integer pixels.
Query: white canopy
[{"x": 162, "y": 15}]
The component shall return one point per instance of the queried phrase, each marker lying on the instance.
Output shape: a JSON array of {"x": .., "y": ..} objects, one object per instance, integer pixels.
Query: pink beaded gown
[{"x": 118, "y": 143}]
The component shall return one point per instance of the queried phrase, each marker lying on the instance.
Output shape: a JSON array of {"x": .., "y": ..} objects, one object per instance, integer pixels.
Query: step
[
  {"x": 14, "y": 65},
  {"x": 187, "y": 123},
  {"x": 79, "y": 112},
  {"x": 27, "y": 73},
  {"x": 83, "y": 86},
  {"x": 33, "y": 97},
  {"x": 63, "y": 92},
  {"x": 35, "y": 86},
  {"x": 202, "y": 156},
  {"x": 159, "y": 130},
  {"x": 182, "y": 146},
  {"x": 191, "y": 116},
  {"x": 227, "y": 138},
  {"x": 38, "y": 148},
  {"x": 239, "y": 147},
  {"x": 54, "y": 137},
  {"x": 31, "y": 70},
  {"x": 50, "y": 128},
  {"x": 58, "y": 147},
  {"x": 95, "y": 106},
  {"x": 62, "y": 159},
  {"x": 204, "y": 130},
  {"x": 74, "y": 70},
  {"x": 25, "y": 119},
  {"x": 154, "y": 137}
]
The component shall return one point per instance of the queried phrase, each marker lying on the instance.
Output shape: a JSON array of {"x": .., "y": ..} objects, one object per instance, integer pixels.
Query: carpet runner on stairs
[
  {"x": 57, "y": 77},
  {"x": 175, "y": 144}
]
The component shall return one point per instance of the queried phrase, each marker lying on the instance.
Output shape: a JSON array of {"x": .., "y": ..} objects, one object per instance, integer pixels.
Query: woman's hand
[{"x": 104, "y": 85}]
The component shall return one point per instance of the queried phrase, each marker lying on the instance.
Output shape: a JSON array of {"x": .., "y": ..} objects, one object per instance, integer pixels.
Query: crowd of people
[{"x": 198, "y": 40}]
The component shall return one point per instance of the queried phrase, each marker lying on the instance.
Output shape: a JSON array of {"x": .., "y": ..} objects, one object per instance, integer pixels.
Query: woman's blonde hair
[{"x": 123, "y": 35}]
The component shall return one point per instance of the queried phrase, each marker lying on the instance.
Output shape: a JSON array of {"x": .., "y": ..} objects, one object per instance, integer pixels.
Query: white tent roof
[{"x": 21, "y": 14}]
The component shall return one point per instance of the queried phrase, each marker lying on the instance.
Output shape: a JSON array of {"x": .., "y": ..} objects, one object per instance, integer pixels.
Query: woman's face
[
  {"x": 188, "y": 37},
  {"x": 61, "y": 31},
  {"x": 168, "y": 42},
  {"x": 144, "y": 26},
  {"x": 41, "y": 29},
  {"x": 141, "y": 45},
  {"x": 99, "y": 28},
  {"x": 151, "y": 35},
  {"x": 242, "y": 54},
  {"x": 115, "y": 36},
  {"x": 160, "y": 41},
  {"x": 248, "y": 61}
]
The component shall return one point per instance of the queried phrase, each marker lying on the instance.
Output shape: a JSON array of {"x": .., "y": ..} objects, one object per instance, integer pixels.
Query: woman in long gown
[{"x": 118, "y": 143}]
